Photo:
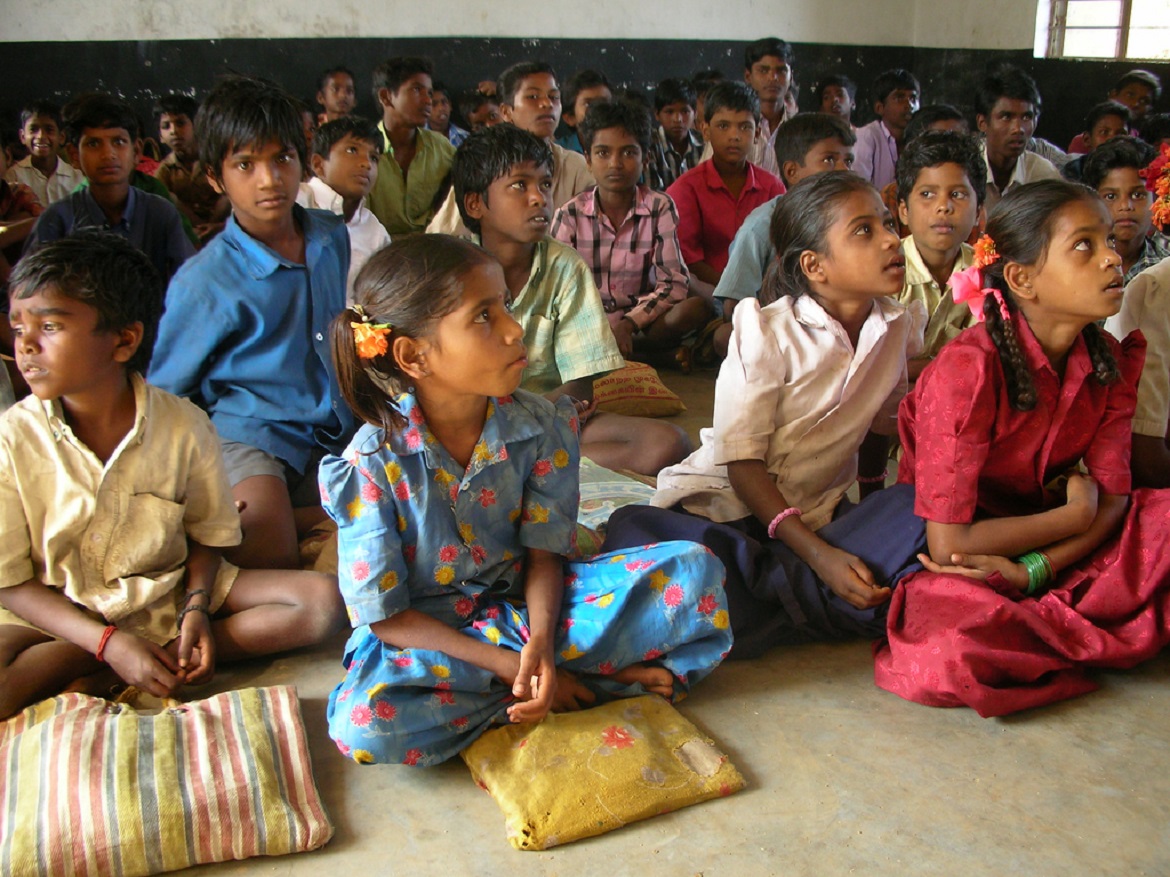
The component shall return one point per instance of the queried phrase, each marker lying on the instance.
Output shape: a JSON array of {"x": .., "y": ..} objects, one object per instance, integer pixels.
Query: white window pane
[
  {"x": 1098, "y": 43},
  {"x": 1149, "y": 42},
  {"x": 1150, "y": 13},
  {"x": 1094, "y": 13}
]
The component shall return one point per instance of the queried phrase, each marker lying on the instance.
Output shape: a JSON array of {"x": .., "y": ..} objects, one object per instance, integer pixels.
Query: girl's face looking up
[{"x": 862, "y": 257}]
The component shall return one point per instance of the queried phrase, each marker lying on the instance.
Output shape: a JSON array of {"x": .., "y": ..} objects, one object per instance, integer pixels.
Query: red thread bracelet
[
  {"x": 101, "y": 649},
  {"x": 873, "y": 479}
]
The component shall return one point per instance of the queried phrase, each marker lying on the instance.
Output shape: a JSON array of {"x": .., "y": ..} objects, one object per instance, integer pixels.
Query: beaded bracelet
[
  {"x": 198, "y": 592},
  {"x": 1039, "y": 569},
  {"x": 100, "y": 654},
  {"x": 787, "y": 513},
  {"x": 186, "y": 609},
  {"x": 874, "y": 479}
]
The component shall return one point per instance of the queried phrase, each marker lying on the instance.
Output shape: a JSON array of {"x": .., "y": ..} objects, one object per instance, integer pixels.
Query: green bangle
[{"x": 1039, "y": 569}]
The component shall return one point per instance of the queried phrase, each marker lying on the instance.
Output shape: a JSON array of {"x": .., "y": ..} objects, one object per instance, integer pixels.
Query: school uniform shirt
[
  {"x": 191, "y": 187},
  {"x": 1146, "y": 306},
  {"x": 245, "y": 336},
  {"x": 875, "y": 154},
  {"x": 666, "y": 164},
  {"x": 1155, "y": 248},
  {"x": 1029, "y": 168},
  {"x": 945, "y": 318},
  {"x": 708, "y": 215},
  {"x": 112, "y": 537},
  {"x": 638, "y": 267},
  {"x": 404, "y": 203},
  {"x": 48, "y": 189},
  {"x": 795, "y": 394},
  {"x": 749, "y": 256},
  {"x": 366, "y": 234}
]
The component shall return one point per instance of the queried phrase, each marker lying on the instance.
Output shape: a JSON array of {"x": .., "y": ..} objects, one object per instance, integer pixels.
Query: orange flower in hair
[
  {"x": 985, "y": 253},
  {"x": 371, "y": 339},
  {"x": 1157, "y": 177}
]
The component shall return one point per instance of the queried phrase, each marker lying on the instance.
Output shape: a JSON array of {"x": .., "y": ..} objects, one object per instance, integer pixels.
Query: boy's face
[
  {"x": 440, "y": 115},
  {"x": 177, "y": 131},
  {"x": 825, "y": 155},
  {"x": 516, "y": 206},
  {"x": 337, "y": 97},
  {"x": 676, "y": 120},
  {"x": 486, "y": 116},
  {"x": 309, "y": 124},
  {"x": 260, "y": 180},
  {"x": 836, "y": 101},
  {"x": 106, "y": 156},
  {"x": 537, "y": 105},
  {"x": 769, "y": 78},
  {"x": 352, "y": 167},
  {"x": 730, "y": 133},
  {"x": 1139, "y": 98},
  {"x": 1128, "y": 200},
  {"x": 586, "y": 97},
  {"x": 59, "y": 349},
  {"x": 1106, "y": 129},
  {"x": 411, "y": 101},
  {"x": 942, "y": 208},
  {"x": 616, "y": 160},
  {"x": 41, "y": 136},
  {"x": 897, "y": 109},
  {"x": 1008, "y": 128}
]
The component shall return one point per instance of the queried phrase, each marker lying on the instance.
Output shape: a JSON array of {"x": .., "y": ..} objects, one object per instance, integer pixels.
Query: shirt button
[{"x": 320, "y": 337}]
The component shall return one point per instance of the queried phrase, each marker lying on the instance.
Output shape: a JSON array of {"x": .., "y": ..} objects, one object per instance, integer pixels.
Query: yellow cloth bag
[{"x": 584, "y": 773}]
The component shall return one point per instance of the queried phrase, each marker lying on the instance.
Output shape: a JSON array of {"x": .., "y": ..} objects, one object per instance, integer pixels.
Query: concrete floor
[{"x": 842, "y": 778}]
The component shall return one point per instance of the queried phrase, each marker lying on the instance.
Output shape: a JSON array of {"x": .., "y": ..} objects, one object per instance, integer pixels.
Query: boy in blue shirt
[{"x": 245, "y": 333}]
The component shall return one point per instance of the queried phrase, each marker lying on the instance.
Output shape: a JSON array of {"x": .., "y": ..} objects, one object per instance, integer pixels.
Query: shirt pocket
[
  {"x": 149, "y": 540},
  {"x": 542, "y": 349}
]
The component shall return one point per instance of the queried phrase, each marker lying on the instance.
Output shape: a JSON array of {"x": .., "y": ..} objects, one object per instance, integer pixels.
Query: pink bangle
[
  {"x": 787, "y": 513},
  {"x": 874, "y": 479}
]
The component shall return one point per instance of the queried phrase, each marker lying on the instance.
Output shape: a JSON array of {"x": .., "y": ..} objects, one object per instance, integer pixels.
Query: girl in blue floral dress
[{"x": 455, "y": 506}]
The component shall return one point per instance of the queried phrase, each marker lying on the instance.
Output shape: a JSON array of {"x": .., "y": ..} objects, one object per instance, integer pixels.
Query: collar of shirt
[
  {"x": 1078, "y": 365},
  {"x": 713, "y": 181},
  {"x": 588, "y": 205},
  {"x": 98, "y": 216},
  {"x": 539, "y": 264},
  {"x": 1018, "y": 172},
  {"x": 810, "y": 313},
  {"x": 325, "y": 196},
  {"x": 916, "y": 270},
  {"x": 694, "y": 141},
  {"x": 261, "y": 259},
  {"x": 55, "y": 414}
]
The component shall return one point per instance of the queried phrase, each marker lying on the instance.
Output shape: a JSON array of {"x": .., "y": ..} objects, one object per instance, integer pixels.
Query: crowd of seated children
[
  {"x": 49, "y": 176},
  {"x": 1007, "y": 108},
  {"x": 182, "y": 172},
  {"x": 344, "y": 162},
  {"x": 440, "y": 120},
  {"x": 479, "y": 110},
  {"x": 244, "y": 335},
  {"x": 837, "y": 95},
  {"x": 675, "y": 145},
  {"x": 810, "y": 143},
  {"x": 502, "y": 180},
  {"x": 415, "y": 162},
  {"x": 1137, "y": 91},
  {"x": 628, "y": 235},
  {"x": 336, "y": 94},
  {"x": 896, "y": 96},
  {"x": 114, "y": 502},
  {"x": 100, "y": 133},
  {"x": 714, "y": 198},
  {"x": 583, "y": 89}
]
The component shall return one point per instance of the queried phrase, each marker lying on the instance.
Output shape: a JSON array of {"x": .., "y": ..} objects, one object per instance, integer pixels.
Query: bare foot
[
  {"x": 656, "y": 680},
  {"x": 570, "y": 695},
  {"x": 99, "y": 684}
]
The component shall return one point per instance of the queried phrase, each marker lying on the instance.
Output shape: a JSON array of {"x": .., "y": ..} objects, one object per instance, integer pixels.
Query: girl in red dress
[{"x": 1042, "y": 563}]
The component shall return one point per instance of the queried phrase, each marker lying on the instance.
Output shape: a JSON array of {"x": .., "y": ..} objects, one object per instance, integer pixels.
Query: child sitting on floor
[
  {"x": 182, "y": 172},
  {"x": 676, "y": 146},
  {"x": 455, "y": 505},
  {"x": 50, "y": 177},
  {"x": 114, "y": 502},
  {"x": 1037, "y": 569},
  {"x": 896, "y": 95},
  {"x": 804, "y": 405}
]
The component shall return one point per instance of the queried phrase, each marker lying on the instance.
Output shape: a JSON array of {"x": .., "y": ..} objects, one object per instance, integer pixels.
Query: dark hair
[
  {"x": 933, "y": 148},
  {"x": 578, "y": 82},
  {"x": 96, "y": 110},
  {"x": 673, "y": 91},
  {"x": 1140, "y": 77},
  {"x": 511, "y": 78},
  {"x": 471, "y": 101},
  {"x": 633, "y": 118},
  {"x": 332, "y": 133},
  {"x": 1021, "y": 225},
  {"x": 392, "y": 72},
  {"x": 801, "y": 221},
  {"x": 40, "y": 108},
  {"x": 841, "y": 81},
  {"x": 246, "y": 110},
  {"x": 1156, "y": 128},
  {"x": 799, "y": 134},
  {"x": 410, "y": 284},
  {"x": 1104, "y": 109},
  {"x": 704, "y": 80},
  {"x": 737, "y": 97},
  {"x": 774, "y": 46},
  {"x": 1120, "y": 152},
  {"x": 889, "y": 81},
  {"x": 1011, "y": 83},
  {"x": 323, "y": 79},
  {"x": 176, "y": 105},
  {"x": 487, "y": 155},
  {"x": 921, "y": 121},
  {"x": 104, "y": 271}
]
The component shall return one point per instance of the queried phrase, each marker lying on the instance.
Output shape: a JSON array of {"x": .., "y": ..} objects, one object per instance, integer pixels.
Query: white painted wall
[{"x": 969, "y": 24}]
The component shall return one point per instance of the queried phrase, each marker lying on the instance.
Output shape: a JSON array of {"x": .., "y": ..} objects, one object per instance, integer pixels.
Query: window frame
[{"x": 1057, "y": 28}]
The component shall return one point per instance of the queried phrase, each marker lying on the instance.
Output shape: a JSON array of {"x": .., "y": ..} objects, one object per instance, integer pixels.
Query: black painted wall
[{"x": 140, "y": 71}]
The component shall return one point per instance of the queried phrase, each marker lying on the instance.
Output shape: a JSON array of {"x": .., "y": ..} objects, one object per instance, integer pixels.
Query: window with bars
[{"x": 1120, "y": 29}]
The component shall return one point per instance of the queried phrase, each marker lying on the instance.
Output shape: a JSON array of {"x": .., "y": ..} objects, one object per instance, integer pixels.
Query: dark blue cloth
[
  {"x": 246, "y": 337},
  {"x": 773, "y": 596}
]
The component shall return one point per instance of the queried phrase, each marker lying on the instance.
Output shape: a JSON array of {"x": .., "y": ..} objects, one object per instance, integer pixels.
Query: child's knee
[
  {"x": 323, "y": 611},
  {"x": 667, "y": 444}
]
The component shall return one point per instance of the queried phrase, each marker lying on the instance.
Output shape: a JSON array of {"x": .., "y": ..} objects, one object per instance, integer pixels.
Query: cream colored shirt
[
  {"x": 113, "y": 537},
  {"x": 795, "y": 394},
  {"x": 945, "y": 319},
  {"x": 1146, "y": 306},
  {"x": 48, "y": 189},
  {"x": 1029, "y": 168}
]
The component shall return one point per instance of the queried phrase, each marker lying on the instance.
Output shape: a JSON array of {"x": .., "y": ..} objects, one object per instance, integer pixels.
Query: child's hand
[
  {"x": 535, "y": 685},
  {"x": 623, "y": 333},
  {"x": 585, "y": 409},
  {"x": 571, "y": 695},
  {"x": 980, "y": 567},
  {"x": 1081, "y": 491},
  {"x": 142, "y": 663},
  {"x": 196, "y": 649},
  {"x": 850, "y": 579}
]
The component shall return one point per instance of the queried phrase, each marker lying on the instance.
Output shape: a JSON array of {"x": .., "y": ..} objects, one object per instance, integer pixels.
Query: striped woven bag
[{"x": 92, "y": 787}]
